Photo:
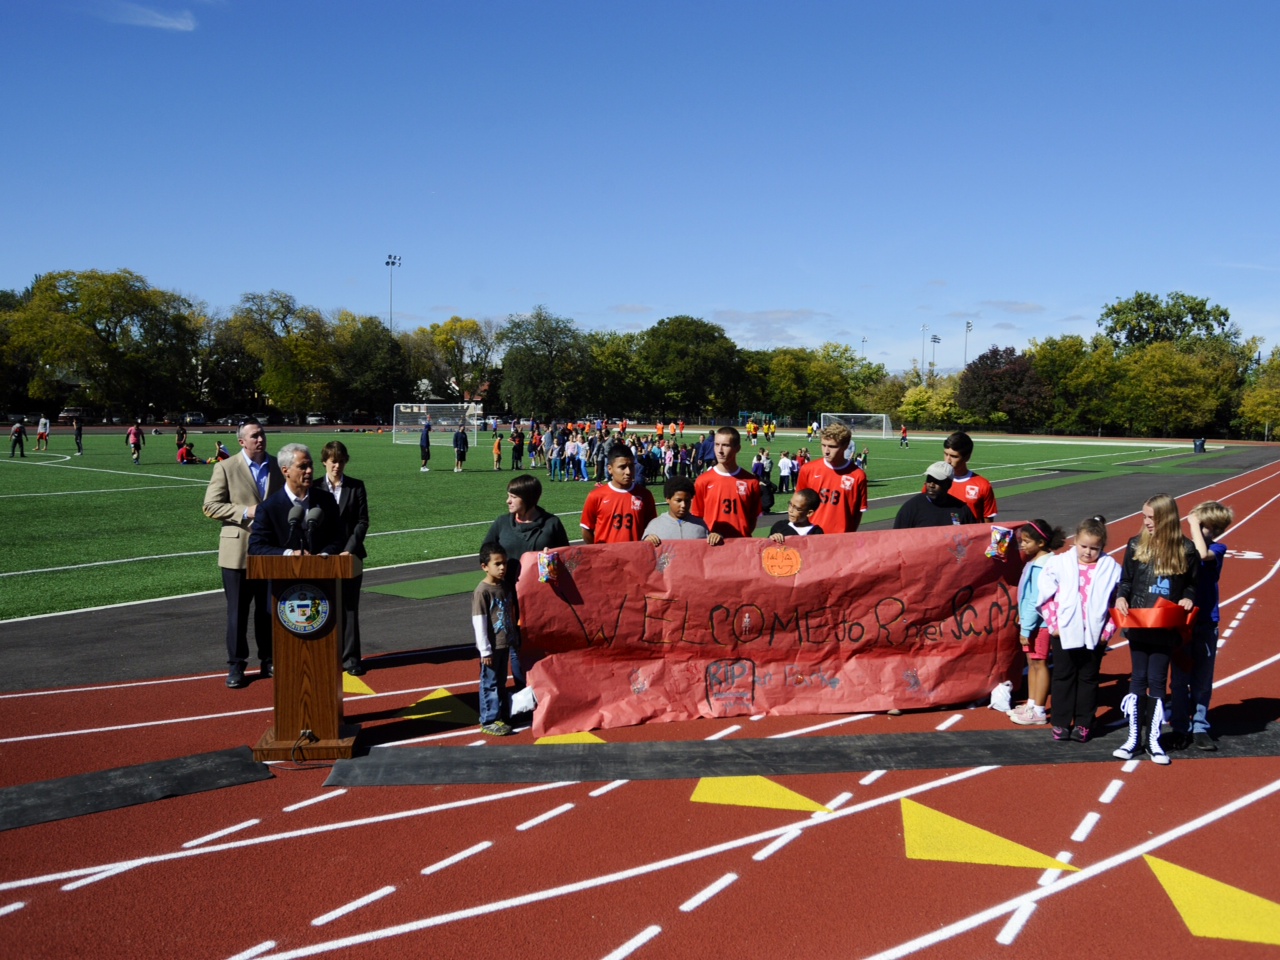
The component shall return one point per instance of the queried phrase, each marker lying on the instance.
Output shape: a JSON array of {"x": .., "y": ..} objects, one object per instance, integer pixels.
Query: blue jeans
[
  {"x": 556, "y": 467},
  {"x": 495, "y": 701},
  {"x": 1191, "y": 691}
]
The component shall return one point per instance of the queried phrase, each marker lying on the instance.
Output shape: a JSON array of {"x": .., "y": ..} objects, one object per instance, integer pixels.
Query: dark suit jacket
[
  {"x": 353, "y": 508},
  {"x": 271, "y": 532}
]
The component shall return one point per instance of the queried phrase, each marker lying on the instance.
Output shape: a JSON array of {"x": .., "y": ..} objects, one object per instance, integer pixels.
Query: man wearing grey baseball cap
[{"x": 935, "y": 507}]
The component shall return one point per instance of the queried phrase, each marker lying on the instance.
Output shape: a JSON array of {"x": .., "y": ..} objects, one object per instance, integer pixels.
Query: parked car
[
  {"x": 72, "y": 413},
  {"x": 316, "y": 419},
  {"x": 193, "y": 418}
]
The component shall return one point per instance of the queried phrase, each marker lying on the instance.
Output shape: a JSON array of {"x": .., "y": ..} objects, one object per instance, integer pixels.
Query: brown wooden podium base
[{"x": 269, "y": 748}]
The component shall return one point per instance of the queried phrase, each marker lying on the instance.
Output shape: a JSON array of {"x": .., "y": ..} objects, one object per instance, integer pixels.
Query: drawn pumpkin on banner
[{"x": 780, "y": 561}]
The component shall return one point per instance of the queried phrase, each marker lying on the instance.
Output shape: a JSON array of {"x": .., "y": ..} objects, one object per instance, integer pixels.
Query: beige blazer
[{"x": 230, "y": 493}]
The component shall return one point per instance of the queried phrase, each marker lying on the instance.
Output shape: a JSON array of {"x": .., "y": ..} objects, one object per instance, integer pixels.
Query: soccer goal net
[
  {"x": 407, "y": 420},
  {"x": 861, "y": 424}
]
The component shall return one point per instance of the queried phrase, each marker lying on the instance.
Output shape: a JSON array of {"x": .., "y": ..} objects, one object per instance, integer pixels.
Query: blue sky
[{"x": 795, "y": 172}]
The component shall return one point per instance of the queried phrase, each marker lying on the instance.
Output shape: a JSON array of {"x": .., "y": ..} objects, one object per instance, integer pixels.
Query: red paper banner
[{"x": 629, "y": 633}]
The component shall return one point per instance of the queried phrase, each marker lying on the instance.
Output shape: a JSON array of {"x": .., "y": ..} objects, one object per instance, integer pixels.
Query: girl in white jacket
[{"x": 1076, "y": 589}]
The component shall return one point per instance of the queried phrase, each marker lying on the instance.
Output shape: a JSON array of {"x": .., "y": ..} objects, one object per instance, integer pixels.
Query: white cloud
[
  {"x": 965, "y": 314},
  {"x": 1013, "y": 306},
  {"x": 764, "y": 328},
  {"x": 1004, "y": 325},
  {"x": 136, "y": 15}
]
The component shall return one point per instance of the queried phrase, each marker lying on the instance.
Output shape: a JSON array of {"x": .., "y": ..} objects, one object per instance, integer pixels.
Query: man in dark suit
[
  {"x": 236, "y": 489},
  {"x": 296, "y": 519},
  {"x": 353, "y": 508}
]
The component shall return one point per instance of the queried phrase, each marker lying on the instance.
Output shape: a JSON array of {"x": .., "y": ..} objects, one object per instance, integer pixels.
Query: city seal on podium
[{"x": 303, "y": 609}]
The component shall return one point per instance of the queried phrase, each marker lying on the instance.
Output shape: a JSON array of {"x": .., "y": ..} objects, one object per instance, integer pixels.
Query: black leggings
[
  {"x": 1073, "y": 696},
  {"x": 1150, "y": 675}
]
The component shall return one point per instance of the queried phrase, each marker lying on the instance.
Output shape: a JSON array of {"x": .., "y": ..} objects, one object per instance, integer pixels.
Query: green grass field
[{"x": 96, "y": 530}]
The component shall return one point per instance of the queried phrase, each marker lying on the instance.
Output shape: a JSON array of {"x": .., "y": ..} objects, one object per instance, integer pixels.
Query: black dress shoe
[
  {"x": 267, "y": 670},
  {"x": 356, "y": 669},
  {"x": 235, "y": 677},
  {"x": 1204, "y": 742}
]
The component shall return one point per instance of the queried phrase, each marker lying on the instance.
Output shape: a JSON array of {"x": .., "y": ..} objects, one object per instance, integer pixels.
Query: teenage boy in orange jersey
[
  {"x": 726, "y": 497},
  {"x": 840, "y": 484},
  {"x": 618, "y": 511}
]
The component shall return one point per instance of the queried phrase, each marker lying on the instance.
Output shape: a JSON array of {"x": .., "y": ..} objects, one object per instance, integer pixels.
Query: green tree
[
  {"x": 1144, "y": 319},
  {"x": 543, "y": 366},
  {"x": 108, "y": 339},
  {"x": 695, "y": 367},
  {"x": 1260, "y": 404},
  {"x": 619, "y": 385},
  {"x": 295, "y": 346},
  {"x": 372, "y": 372},
  {"x": 1163, "y": 392}
]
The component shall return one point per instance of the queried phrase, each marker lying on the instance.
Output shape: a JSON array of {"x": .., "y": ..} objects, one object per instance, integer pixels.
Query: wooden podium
[{"x": 306, "y": 635}]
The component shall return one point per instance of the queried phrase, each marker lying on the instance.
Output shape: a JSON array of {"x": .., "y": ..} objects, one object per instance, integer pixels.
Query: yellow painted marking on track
[
  {"x": 931, "y": 835},
  {"x": 572, "y": 738},
  {"x": 1211, "y": 908},
  {"x": 443, "y": 706},
  {"x": 752, "y": 792},
  {"x": 354, "y": 685}
]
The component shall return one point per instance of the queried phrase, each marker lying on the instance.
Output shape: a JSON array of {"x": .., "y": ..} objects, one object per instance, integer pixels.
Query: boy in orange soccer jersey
[
  {"x": 726, "y": 497},
  {"x": 974, "y": 490},
  {"x": 618, "y": 511},
  {"x": 840, "y": 484}
]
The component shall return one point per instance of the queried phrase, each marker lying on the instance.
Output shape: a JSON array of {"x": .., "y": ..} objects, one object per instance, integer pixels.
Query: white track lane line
[
  {"x": 872, "y": 777},
  {"x": 219, "y": 834},
  {"x": 813, "y": 729},
  {"x": 698, "y": 899},
  {"x": 950, "y": 722},
  {"x": 613, "y": 785},
  {"x": 635, "y": 943},
  {"x": 1109, "y": 794},
  {"x": 1072, "y": 879},
  {"x": 257, "y": 951},
  {"x": 1086, "y": 827},
  {"x": 122, "y": 865},
  {"x": 544, "y": 817},
  {"x": 353, "y": 906},
  {"x": 767, "y": 851},
  {"x": 1053, "y": 873},
  {"x": 593, "y": 883},
  {"x": 720, "y": 734},
  {"x": 1013, "y": 926},
  {"x": 12, "y": 907},
  {"x": 457, "y": 857},
  {"x": 316, "y": 799}
]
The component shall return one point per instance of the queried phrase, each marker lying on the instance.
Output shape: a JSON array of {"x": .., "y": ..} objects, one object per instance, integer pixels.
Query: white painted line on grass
[
  {"x": 544, "y": 817},
  {"x": 316, "y": 799},
  {"x": 765, "y": 852},
  {"x": 698, "y": 899},
  {"x": 122, "y": 865},
  {"x": 872, "y": 777},
  {"x": 601, "y": 791},
  {"x": 635, "y": 943},
  {"x": 1072, "y": 879},
  {"x": 1053, "y": 873},
  {"x": 725, "y": 732},
  {"x": 457, "y": 857},
  {"x": 257, "y": 951},
  {"x": 950, "y": 722},
  {"x": 76, "y": 493},
  {"x": 803, "y": 730},
  {"x": 1013, "y": 926},
  {"x": 12, "y": 907},
  {"x": 1086, "y": 827},
  {"x": 219, "y": 834},
  {"x": 353, "y": 906},
  {"x": 1109, "y": 794},
  {"x": 106, "y": 563}
]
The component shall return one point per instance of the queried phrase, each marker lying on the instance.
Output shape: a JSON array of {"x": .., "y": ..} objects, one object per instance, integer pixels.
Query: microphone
[
  {"x": 313, "y": 517},
  {"x": 295, "y": 518}
]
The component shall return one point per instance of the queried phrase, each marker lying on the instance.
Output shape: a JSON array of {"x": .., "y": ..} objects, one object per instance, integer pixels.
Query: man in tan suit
[{"x": 236, "y": 488}]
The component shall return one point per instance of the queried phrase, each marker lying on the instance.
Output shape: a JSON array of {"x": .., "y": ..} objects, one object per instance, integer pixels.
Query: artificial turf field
[{"x": 96, "y": 530}]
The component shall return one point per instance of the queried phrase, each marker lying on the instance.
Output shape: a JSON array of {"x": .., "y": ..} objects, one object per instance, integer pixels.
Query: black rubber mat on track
[
  {"x": 550, "y": 763},
  {"x": 50, "y": 800}
]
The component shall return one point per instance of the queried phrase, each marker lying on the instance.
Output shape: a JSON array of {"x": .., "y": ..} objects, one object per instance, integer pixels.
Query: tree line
[{"x": 115, "y": 344}]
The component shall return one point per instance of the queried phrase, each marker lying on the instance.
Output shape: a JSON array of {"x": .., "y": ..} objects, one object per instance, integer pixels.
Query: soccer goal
[
  {"x": 407, "y": 420},
  {"x": 862, "y": 424}
]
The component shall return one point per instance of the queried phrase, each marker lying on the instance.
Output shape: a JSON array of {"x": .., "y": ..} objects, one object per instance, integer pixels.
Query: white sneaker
[
  {"x": 425, "y": 470},
  {"x": 1028, "y": 716}
]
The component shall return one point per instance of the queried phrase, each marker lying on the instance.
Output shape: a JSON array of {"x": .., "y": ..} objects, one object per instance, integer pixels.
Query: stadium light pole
[
  {"x": 924, "y": 328},
  {"x": 864, "y": 348},
  {"x": 392, "y": 261},
  {"x": 935, "y": 340},
  {"x": 968, "y": 329}
]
